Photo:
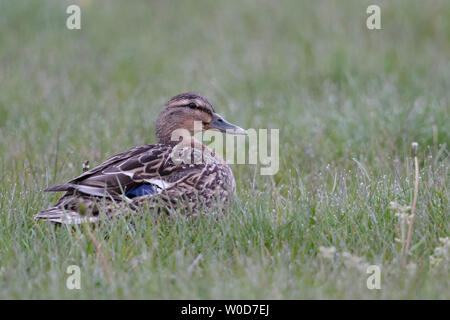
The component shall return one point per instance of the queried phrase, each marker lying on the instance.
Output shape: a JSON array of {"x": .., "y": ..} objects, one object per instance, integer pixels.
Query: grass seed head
[{"x": 414, "y": 147}]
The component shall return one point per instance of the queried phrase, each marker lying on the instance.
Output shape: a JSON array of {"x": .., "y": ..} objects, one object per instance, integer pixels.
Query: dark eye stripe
[{"x": 194, "y": 106}]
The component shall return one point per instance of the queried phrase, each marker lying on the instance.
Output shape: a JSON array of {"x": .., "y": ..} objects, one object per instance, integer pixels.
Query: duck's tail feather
[
  {"x": 59, "y": 215},
  {"x": 87, "y": 190},
  {"x": 62, "y": 187}
]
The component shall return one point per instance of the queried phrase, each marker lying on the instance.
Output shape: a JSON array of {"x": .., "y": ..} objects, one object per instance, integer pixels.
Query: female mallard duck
[{"x": 154, "y": 176}]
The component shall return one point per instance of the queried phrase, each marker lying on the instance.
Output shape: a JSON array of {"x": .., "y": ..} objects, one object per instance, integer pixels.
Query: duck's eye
[{"x": 192, "y": 105}]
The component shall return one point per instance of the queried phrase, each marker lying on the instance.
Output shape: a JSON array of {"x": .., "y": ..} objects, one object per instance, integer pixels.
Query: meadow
[{"x": 348, "y": 102}]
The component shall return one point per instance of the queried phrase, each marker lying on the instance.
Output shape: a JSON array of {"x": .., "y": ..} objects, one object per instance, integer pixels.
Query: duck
[{"x": 177, "y": 174}]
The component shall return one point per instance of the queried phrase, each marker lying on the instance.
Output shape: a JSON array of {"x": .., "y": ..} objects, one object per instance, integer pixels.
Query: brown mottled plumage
[{"x": 114, "y": 187}]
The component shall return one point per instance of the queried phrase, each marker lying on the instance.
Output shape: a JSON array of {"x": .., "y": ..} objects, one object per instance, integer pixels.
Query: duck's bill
[{"x": 220, "y": 124}]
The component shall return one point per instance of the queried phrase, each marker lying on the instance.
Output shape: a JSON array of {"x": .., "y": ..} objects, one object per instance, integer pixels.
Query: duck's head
[{"x": 190, "y": 111}]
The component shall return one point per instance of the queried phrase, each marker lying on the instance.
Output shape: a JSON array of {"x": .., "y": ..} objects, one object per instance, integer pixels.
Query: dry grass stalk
[
  {"x": 413, "y": 207},
  {"x": 99, "y": 251}
]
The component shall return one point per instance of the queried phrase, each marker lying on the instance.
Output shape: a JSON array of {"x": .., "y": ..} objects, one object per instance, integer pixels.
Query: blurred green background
[{"x": 336, "y": 90}]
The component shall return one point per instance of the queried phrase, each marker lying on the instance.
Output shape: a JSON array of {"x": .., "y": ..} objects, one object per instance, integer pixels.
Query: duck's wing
[{"x": 121, "y": 172}]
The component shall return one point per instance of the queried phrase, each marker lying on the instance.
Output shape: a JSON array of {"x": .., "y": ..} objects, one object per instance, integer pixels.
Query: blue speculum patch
[{"x": 140, "y": 191}]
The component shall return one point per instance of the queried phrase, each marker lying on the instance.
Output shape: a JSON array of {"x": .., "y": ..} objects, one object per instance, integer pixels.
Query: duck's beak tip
[{"x": 237, "y": 131}]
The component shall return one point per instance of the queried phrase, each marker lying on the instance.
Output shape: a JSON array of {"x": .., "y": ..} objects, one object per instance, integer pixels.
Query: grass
[{"x": 348, "y": 103}]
